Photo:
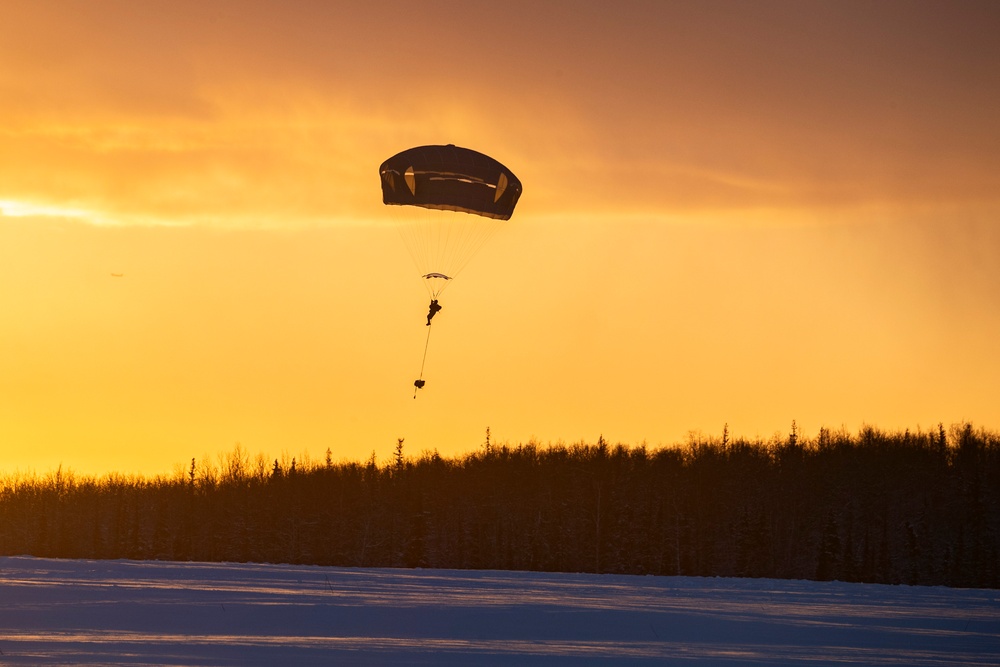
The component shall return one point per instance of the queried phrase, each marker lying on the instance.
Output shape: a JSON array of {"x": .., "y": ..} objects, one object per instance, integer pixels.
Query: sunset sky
[{"x": 740, "y": 213}]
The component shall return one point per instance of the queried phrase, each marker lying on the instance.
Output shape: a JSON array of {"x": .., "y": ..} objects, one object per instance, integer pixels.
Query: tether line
[{"x": 423, "y": 362}]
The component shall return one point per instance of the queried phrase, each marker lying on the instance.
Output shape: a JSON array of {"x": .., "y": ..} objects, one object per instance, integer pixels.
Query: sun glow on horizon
[
  {"x": 22, "y": 209},
  {"x": 711, "y": 233}
]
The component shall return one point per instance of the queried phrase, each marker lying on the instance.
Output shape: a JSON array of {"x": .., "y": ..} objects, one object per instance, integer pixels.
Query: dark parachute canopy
[
  {"x": 452, "y": 179},
  {"x": 434, "y": 188}
]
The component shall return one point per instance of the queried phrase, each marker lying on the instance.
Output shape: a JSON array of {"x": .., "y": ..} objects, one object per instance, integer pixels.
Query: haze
[{"x": 733, "y": 213}]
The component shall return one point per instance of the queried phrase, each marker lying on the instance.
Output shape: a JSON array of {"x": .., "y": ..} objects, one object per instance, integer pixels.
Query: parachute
[{"x": 454, "y": 200}]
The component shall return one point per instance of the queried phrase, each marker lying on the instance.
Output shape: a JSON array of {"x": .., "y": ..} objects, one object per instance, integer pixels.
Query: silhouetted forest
[{"x": 917, "y": 508}]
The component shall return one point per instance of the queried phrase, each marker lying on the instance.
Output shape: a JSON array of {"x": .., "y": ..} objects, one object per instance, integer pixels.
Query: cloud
[{"x": 245, "y": 114}]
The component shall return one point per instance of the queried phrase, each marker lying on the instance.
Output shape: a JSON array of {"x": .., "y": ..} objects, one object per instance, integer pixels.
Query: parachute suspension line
[
  {"x": 457, "y": 244},
  {"x": 423, "y": 361},
  {"x": 442, "y": 241},
  {"x": 468, "y": 239},
  {"x": 416, "y": 246}
]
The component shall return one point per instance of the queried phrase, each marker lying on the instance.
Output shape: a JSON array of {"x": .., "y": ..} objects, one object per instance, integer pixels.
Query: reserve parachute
[{"x": 450, "y": 201}]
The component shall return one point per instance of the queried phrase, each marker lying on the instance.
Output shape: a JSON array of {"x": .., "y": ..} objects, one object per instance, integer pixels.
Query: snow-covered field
[{"x": 162, "y": 613}]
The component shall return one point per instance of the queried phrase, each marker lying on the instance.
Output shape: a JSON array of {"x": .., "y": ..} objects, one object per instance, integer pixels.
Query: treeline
[{"x": 916, "y": 508}]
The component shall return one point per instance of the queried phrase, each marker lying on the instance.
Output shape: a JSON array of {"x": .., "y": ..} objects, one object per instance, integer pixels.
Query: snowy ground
[{"x": 145, "y": 613}]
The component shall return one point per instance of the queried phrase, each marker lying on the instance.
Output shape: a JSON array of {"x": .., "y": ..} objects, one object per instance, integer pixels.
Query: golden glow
[
  {"x": 15, "y": 209},
  {"x": 711, "y": 232}
]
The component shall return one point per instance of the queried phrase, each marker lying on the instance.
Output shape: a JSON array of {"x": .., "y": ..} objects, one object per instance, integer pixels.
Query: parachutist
[
  {"x": 454, "y": 180},
  {"x": 434, "y": 308}
]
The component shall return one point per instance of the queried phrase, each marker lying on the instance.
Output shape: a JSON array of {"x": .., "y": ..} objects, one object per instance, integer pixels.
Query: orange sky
[{"x": 741, "y": 213}]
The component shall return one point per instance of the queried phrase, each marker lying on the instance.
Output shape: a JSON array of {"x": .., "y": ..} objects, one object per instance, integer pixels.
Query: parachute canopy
[
  {"x": 431, "y": 189},
  {"x": 451, "y": 179}
]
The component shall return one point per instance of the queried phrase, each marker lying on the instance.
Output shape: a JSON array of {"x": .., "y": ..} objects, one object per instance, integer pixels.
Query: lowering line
[{"x": 420, "y": 381}]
